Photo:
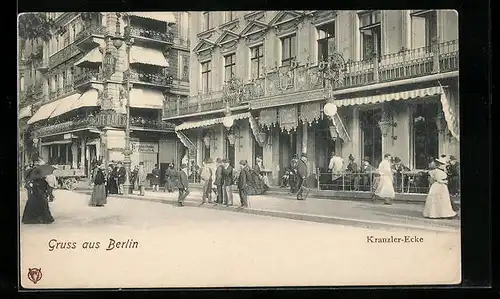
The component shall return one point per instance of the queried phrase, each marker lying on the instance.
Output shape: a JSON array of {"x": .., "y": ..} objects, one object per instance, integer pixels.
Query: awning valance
[
  {"x": 88, "y": 99},
  {"x": 402, "y": 95},
  {"x": 260, "y": 136},
  {"x": 25, "y": 112},
  {"x": 147, "y": 56},
  {"x": 186, "y": 141},
  {"x": 209, "y": 122},
  {"x": 65, "y": 105},
  {"x": 43, "y": 112},
  {"x": 67, "y": 141},
  {"x": 146, "y": 98},
  {"x": 167, "y": 17},
  {"x": 94, "y": 56}
]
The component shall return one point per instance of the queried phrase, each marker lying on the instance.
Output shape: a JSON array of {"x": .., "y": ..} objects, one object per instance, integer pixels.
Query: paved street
[{"x": 191, "y": 246}]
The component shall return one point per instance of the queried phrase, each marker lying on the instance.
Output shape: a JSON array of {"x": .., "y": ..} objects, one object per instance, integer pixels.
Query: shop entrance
[
  {"x": 371, "y": 136},
  {"x": 288, "y": 148}
]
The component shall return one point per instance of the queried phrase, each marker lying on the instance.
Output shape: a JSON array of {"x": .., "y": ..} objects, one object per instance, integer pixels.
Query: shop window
[
  {"x": 370, "y": 31},
  {"x": 288, "y": 49},
  {"x": 423, "y": 28},
  {"x": 424, "y": 134},
  {"x": 326, "y": 41},
  {"x": 371, "y": 137}
]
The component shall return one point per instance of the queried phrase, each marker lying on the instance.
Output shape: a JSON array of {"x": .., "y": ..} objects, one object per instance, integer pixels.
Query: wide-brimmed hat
[{"x": 441, "y": 160}]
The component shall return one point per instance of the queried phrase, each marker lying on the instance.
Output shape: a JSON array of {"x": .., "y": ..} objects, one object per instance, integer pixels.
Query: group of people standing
[{"x": 296, "y": 175}]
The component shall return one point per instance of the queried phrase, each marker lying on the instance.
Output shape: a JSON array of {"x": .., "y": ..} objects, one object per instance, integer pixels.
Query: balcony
[
  {"x": 83, "y": 122},
  {"x": 88, "y": 38},
  {"x": 86, "y": 77},
  {"x": 144, "y": 123},
  {"x": 161, "y": 78},
  {"x": 406, "y": 64},
  {"x": 61, "y": 92},
  {"x": 149, "y": 35},
  {"x": 63, "y": 55}
]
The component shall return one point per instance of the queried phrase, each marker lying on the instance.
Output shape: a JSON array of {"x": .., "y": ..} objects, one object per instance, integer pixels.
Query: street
[{"x": 200, "y": 247}]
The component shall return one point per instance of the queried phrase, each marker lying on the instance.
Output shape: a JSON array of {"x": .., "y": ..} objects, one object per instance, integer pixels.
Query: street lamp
[{"x": 118, "y": 41}]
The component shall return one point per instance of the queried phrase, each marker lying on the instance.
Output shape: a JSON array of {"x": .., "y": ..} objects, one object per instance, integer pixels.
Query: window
[
  {"x": 257, "y": 61},
  {"x": 425, "y": 134},
  {"x": 206, "y": 76},
  {"x": 370, "y": 34},
  {"x": 326, "y": 41},
  {"x": 206, "y": 21},
  {"x": 229, "y": 66},
  {"x": 371, "y": 135},
  {"x": 423, "y": 28},
  {"x": 288, "y": 49},
  {"x": 228, "y": 16}
]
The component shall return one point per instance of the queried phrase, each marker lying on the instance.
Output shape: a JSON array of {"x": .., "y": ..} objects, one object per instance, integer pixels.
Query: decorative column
[
  {"x": 304, "y": 138},
  {"x": 82, "y": 153},
  {"x": 74, "y": 155}
]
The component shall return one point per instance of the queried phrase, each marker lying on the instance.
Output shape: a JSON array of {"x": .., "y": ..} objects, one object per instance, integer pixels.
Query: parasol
[{"x": 39, "y": 171}]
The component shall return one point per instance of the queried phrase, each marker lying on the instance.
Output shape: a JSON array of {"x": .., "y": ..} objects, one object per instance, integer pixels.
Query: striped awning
[
  {"x": 167, "y": 17},
  {"x": 147, "y": 56},
  {"x": 43, "y": 112},
  {"x": 209, "y": 122},
  {"x": 65, "y": 105},
  {"x": 94, "y": 56},
  {"x": 402, "y": 95},
  {"x": 25, "y": 112},
  {"x": 87, "y": 99},
  {"x": 146, "y": 98}
]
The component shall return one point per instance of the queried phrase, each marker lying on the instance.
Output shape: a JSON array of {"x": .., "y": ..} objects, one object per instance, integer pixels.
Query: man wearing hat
[
  {"x": 453, "y": 171},
  {"x": 121, "y": 174},
  {"x": 228, "y": 181},
  {"x": 292, "y": 179},
  {"x": 141, "y": 178},
  {"x": 183, "y": 185},
  {"x": 301, "y": 177},
  {"x": 206, "y": 177},
  {"x": 218, "y": 180},
  {"x": 244, "y": 177}
]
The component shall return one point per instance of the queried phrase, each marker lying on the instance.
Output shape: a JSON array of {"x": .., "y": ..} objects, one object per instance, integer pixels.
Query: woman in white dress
[
  {"x": 437, "y": 204},
  {"x": 385, "y": 188}
]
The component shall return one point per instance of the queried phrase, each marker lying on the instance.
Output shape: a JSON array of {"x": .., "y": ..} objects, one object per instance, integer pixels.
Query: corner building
[
  {"x": 83, "y": 74},
  {"x": 396, "y": 90}
]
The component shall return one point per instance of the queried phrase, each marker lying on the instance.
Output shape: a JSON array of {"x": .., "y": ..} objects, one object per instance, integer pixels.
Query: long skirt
[
  {"x": 98, "y": 197},
  {"x": 112, "y": 187},
  {"x": 385, "y": 189},
  {"x": 437, "y": 204},
  {"x": 37, "y": 210},
  {"x": 256, "y": 186}
]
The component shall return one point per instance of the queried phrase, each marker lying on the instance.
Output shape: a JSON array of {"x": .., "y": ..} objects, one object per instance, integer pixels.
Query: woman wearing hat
[
  {"x": 437, "y": 204},
  {"x": 98, "y": 197},
  {"x": 37, "y": 209}
]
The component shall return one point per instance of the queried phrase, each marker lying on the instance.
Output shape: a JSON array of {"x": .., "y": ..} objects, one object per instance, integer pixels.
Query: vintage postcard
[{"x": 239, "y": 149}]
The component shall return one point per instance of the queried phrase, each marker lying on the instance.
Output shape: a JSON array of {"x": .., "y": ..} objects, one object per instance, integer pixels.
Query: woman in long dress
[
  {"x": 37, "y": 209},
  {"x": 112, "y": 187},
  {"x": 98, "y": 197},
  {"x": 257, "y": 186},
  {"x": 385, "y": 188},
  {"x": 437, "y": 204}
]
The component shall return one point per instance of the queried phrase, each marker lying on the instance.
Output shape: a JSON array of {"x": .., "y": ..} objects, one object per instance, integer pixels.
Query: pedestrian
[
  {"x": 243, "y": 180},
  {"x": 133, "y": 179},
  {"x": 301, "y": 177},
  {"x": 399, "y": 168},
  {"x": 385, "y": 187},
  {"x": 218, "y": 180},
  {"x": 228, "y": 181},
  {"x": 292, "y": 180},
  {"x": 453, "y": 171},
  {"x": 141, "y": 179},
  {"x": 155, "y": 178},
  {"x": 335, "y": 166},
  {"x": 120, "y": 177},
  {"x": 206, "y": 177},
  {"x": 437, "y": 203},
  {"x": 183, "y": 185},
  {"x": 52, "y": 184},
  {"x": 98, "y": 197},
  {"x": 169, "y": 178},
  {"x": 353, "y": 174},
  {"x": 37, "y": 209},
  {"x": 111, "y": 186}
]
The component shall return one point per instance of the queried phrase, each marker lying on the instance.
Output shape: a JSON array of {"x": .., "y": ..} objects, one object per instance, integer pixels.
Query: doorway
[
  {"x": 371, "y": 135},
  {"x": 287, "y": 148}
]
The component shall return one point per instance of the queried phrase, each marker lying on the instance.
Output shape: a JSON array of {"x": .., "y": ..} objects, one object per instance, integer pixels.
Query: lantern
[
  {"x": 228, "y": 122},
  {"x": 330, "y": 109},
  {"x": 206, "y": 141}
]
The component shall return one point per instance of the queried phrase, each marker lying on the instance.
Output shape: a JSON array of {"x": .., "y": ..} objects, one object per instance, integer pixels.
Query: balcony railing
[
  {"x": 62, "y": 91},
  {"x": 89, "y": 121},
  {"x": 63, "y": 55},
  {"x": 151, "y": 34},
  {"x": 88, "y": 76},
  {"x": 159, "y": 78},
  {"x": 200, "y": 103},
  {"x": 89, "y": 31},
  {"x": 148, "y": 123}
]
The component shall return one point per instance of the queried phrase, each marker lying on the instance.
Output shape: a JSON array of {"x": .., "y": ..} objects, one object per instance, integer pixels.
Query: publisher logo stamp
[{"x": 35, "y": 274}]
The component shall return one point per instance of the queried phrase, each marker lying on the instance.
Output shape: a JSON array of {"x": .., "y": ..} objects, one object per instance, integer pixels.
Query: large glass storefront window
[
  {"x": 371, "y": 136},
  {"x": 425, "y": 134}
]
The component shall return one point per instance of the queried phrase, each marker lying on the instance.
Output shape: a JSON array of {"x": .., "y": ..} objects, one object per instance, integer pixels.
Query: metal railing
[
  {"x": 200, "y": 103},
  {"x": 86, "y": 76},
  {"x": 89, "y": 31},
  {"x": 88, "y": 121},
  {"x": 144, "y": 122},
  {"x": 159, "y": 78},
  {"x": 136, "y": 31}
]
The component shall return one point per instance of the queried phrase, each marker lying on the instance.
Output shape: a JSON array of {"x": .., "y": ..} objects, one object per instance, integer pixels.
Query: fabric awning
[
  {"x": 186, "y": 141},
  {"x": 402, "y": 95},
  {"x": 43, "y": 112},
  {"x": 147, "y": 56},
  {"x": 146, "y": 98},
  {"x": 209, "y": 122},
  {"x": 65, "y": 105},
  {"x": 87, "y": 99},
  {"x": 92, "y": 57},
  {"x": 260, "y": 137},
  {"x": 25, "y": 112},
  {"x": 167, "y": 17},
  {"x": 57, "y": 142}
]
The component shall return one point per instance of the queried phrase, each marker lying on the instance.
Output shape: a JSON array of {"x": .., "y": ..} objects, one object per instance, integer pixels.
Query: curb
[{"x": 360, "y": 223}]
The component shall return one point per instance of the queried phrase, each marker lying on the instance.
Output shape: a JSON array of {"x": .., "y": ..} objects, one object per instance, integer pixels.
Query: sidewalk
[{"x": 344, "y": 212}]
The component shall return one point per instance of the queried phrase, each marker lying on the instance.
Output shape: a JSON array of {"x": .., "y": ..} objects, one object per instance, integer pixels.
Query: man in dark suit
[
  {"x": 301, "y": 177},
  {"x": 453, "y": 171},
  {"x": 243, "y": 179},
  {"x": 183, "y": 185},
  {"x": 121, "y": 174},
  {"x": 228, "y": 181},
  {"x": 218, "y": 180}
]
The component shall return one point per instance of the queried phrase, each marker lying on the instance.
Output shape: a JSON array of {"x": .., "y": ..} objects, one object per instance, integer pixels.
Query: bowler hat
[{"x": 441, "y": 160}]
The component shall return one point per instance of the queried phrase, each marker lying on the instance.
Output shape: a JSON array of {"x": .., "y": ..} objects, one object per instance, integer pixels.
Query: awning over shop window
[
  {"x": 402, "y": 95},
  {"x": 65, "y": 105},
  {"x": 43, "y": 112},
  {"x": 449, "y": 110},
  {"x": 25, "y": 112},
  {"x": 94, "y": 56},
  {"x": 260, "y": 137},
  {"x": 146, "y": 98},
  {"x": 339, "y": 129},
  {"x": 209, "y": 122},
  {"x": 167, "y": 17},
  {"x": 57, "y": 142},
  {"x": 186, "y": 141},
  {"x": 87, "y": 99},
  {"x": 268, "y": 117},
  {"x": 147, "y": 56}
]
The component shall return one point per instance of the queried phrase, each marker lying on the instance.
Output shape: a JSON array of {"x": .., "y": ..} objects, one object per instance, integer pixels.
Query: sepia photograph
[{"x": 218, "y": 149}]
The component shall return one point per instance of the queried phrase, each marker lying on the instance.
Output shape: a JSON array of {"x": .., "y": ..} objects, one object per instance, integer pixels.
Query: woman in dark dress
[
  {"x": 257, "y": 185},
  {"x": 37, "y": 209},
  {"x": 112, "y": 187}
]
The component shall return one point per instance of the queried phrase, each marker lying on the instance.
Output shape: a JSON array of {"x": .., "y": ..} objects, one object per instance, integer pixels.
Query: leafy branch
[{"x": 33, "y": 26}]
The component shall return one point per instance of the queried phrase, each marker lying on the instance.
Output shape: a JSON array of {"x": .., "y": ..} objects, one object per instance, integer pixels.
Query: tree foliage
[{"x": 33, "y": 26}]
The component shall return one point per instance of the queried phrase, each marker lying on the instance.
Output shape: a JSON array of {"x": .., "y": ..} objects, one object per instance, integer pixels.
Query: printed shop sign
[{"x": 144, "y": 147}]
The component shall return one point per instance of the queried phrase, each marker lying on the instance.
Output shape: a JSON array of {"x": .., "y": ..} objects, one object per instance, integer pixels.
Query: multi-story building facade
[
  {"x": 79, "y": 86},
  {"x": 394, "y": 80}
]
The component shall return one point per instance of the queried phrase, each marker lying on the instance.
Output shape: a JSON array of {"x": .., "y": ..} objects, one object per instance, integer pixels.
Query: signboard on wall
[{"x": 144, "y": 147}]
